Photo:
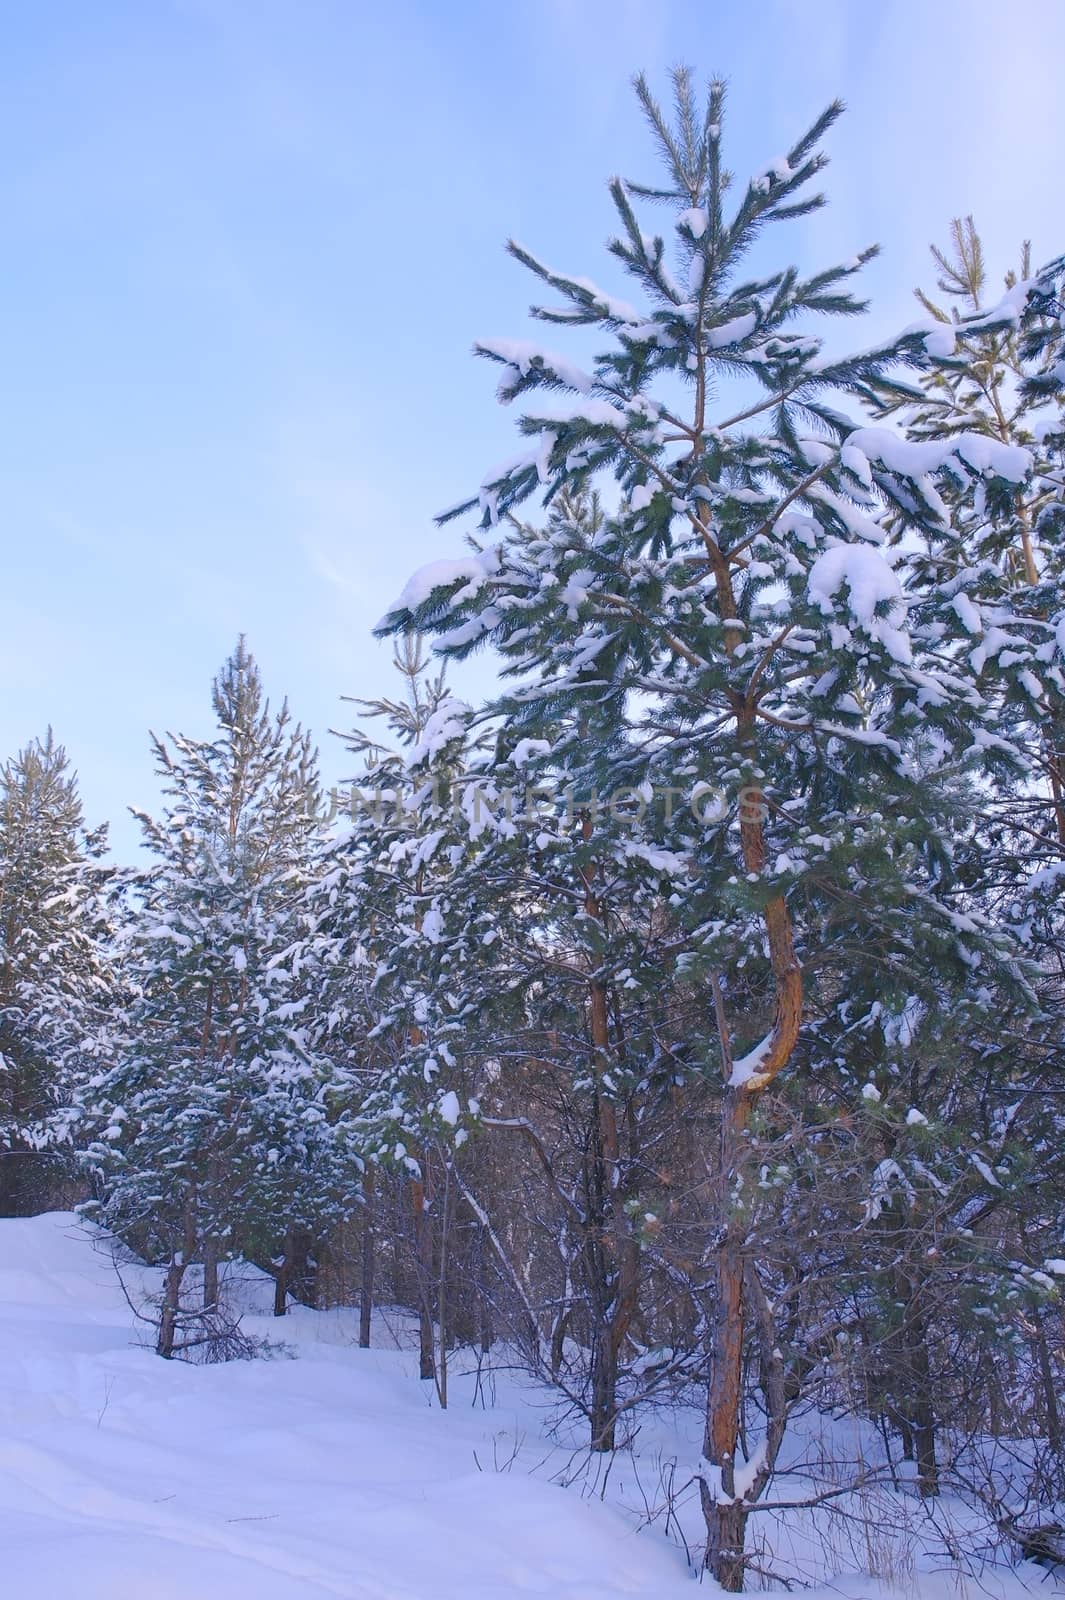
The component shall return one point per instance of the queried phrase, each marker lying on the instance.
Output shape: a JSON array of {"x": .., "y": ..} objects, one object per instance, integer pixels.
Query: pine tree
[
  {"x": 566, "y": 888},
  {"x": 984, "y": 1086},
  {"x": 996, "y": 377},
  {"x": 389, "y": 941},
  {"x": 55, "y": 969},
  {"x": 999, "y": 374},
  {"x": 211, "y": 1136},
  {"x": 766, "y": 642}
]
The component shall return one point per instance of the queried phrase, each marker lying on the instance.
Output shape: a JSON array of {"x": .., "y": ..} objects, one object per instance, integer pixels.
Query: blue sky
[{"x": 247, "y": 246}]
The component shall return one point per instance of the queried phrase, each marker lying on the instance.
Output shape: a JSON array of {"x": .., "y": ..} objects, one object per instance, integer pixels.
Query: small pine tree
[
  {"x": 389, "y": 946},
  {"x": 210, "y": 1135},
  {"x": 996, "y": 377}
]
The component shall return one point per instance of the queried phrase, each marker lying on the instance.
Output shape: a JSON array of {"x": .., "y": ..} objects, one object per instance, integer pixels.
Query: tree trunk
[
  {"x": 915, "y": 1402},
  {"x": 366, "y": 1287},
  {"x": 423, "y": 1251},
  {"x": 726, "y": 1533},
  {"x": 906, "y": 1434},
  {"x": 600, "y": 1254},
  {"x": 442, "y": 1307},
  {"x": 210, "y": 1274},
  {"x": 164, "y": 1344},
  {"x": 296, "y": 1276},
  {"x": 611, "y": 1260},
  {"x": 281, "y": 1277},
  {"x": 726, "y": 1518},
  {"x": 483, "y": 1296},
  {"x": 558, "y": 1338},
  {"x": 604, "y": 1393},
  {"x": 170, "y": 1310},
  {"x": 917, "y": 1380},
  {"x": 1050, "y": 1393},
  {"x": 611, "y": 1251},
  {"x": 924, "y": 1438}
]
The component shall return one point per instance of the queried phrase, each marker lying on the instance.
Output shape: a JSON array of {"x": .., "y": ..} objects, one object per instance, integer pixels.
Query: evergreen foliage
[
  {"x": 56, "y": 977},
  {"x": 209, "y": 1133},
  {"x": 688, "y": 1013},
  {"x": 757, "y": 620}
]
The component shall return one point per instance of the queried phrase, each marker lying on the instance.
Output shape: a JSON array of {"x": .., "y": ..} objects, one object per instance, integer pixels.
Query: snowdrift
[{"x": 326, "y": 1471}]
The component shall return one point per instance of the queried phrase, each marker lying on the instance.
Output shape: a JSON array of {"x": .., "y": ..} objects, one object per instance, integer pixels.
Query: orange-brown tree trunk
[
  {"x": 725, "y": 1513},
  {"x": 726, "y": 1504}
]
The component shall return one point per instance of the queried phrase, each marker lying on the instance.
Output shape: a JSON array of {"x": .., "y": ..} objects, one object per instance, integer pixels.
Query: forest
[{"x": 682, "y": 1023}]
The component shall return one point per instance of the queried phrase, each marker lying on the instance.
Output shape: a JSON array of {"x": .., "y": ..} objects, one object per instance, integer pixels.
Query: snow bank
[{"x": 123, "y": 1477}]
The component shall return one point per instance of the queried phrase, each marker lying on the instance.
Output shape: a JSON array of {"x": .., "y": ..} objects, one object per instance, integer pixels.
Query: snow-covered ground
[{"x": 123, "y": 1477}]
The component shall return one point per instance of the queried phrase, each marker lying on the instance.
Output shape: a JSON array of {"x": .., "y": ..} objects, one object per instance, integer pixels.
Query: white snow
[
  {"x": 745, "y": 1472},
  {"x": 336, "y": 1476},
  {"x": 527, "y": 750},
  {"x": 939, "y": 337},
  {"x": 695, "y": 220},
  {"x": 609, "y": 305},
  {"x": 870, "y": 583},
  {"x": 749, "y": 1066},
  {"x": 776, "y": 170},
  {"x": 885, "y": 1174},
  {"x": 475, "y": 570},
  {"x": 918, "y": 458},
  {"x": 1009, "y": 309},
  {"x": 449, "y": 1108},
  {"x": 599, "y": 413},
  {"x": 327, "y": 1477},
  {"x": 446, "y": 723},
  {"x": 969, "y": 613},
  {"x": 984, "y": 1170},
  {"x": 733, "y": 332},
  {"x": 522, "y": 354}
]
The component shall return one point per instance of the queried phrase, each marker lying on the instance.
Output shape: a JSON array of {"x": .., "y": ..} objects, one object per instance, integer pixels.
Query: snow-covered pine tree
[
  {"x": 56, "y": 977},
  {"x": 977, "y": 386},
  {"x": 209, "y": 1134},
  {"x": 1043, "y": 352},
  {"x": 570, "y": 977},
  {"x": 997, "y": 375},
  {"x": 767, "y": 640},
  {"x": 959, "y": 1093},
  {"x": 918, "y": 1228},
  {"x": 389, "y": 940}
]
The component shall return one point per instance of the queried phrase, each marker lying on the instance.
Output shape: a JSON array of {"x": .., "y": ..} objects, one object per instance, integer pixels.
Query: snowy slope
[{"x": 123, "y": 1477}]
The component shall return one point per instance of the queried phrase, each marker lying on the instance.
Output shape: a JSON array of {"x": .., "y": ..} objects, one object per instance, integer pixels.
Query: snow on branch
[
  {"x": 469, "y": 572},
  {"x": 590, "y": 303},
  {"x": 526, "y": 363}
]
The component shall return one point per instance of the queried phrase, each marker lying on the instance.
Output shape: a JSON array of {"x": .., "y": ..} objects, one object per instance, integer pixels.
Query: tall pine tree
[{"x": 767, "y": 643}]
